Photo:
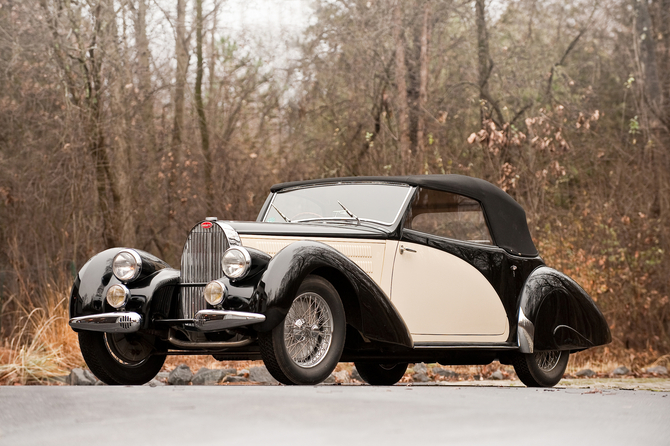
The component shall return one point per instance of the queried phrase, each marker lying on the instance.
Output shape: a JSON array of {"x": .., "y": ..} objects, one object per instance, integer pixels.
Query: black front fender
[
  {"x": 95, "y": 277},
  {"x": 562, "y": 315},
  {"x": 369, "y": 310}
]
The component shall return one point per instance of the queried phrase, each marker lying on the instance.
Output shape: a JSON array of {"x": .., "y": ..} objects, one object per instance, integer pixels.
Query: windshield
[{"x": 376, "y": 202}]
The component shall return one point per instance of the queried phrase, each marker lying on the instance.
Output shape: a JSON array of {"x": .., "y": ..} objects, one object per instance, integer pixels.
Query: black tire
[
  {"x": 315, "y": 344},
  {"x": 381, "y": 374},
  {"x": 541, "y": 369},
  {"x": 121, "y": 359}
]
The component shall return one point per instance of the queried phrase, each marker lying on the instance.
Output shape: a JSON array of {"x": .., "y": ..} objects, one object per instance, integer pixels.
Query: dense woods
[{"x": 124, "y": 122}]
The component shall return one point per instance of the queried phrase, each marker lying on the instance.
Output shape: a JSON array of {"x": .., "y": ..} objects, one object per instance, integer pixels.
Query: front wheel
[
  {"x": 541, "y": 369},
  {"x": 121, "y": 359},
  {"x": 381, "y": 374},
  {"x": 307, "y": 345}
]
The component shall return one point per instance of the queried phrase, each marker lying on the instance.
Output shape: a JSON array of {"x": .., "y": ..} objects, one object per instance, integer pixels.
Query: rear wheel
[
  {"x": 541, "y": 369},
  {"x": 121, "y": 358},
  {"x": 381, "y": 374},
  {"x": 307, "y": 345}
]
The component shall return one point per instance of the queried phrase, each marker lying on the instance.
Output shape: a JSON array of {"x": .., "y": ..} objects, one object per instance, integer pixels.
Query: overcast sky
[{"x": 265, "y": 15}]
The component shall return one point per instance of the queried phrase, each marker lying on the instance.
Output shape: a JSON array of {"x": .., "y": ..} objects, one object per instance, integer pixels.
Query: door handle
[{"x": 403, "y": 249}]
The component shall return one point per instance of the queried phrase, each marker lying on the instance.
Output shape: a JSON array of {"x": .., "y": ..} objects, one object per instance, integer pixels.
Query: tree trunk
[
  {"x": 401, "y": 83},
  {"x": 114, "y": 182},
  {"x": 174, "y": 156},
  {"x": 121, "y": 145},
  {"x": 423, "y": 86},
  {"x": 181, "y": 51},
  {"x": 200, "y": 107},
  {"x": 212, "y": 51},
  {"x": 483, "y": 61},
  {"x": 144, "y": 78},
  {"x": 647, "y": 57},
  {"x": 664, "y": 63}
]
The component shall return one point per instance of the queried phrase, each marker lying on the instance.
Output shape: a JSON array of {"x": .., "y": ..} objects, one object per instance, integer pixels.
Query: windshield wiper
[
  {"x": 349, "y": 212},
  {"x": 280, "y": 214}
]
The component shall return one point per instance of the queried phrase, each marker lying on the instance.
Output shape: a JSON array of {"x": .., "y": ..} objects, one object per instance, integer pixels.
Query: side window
[{"x": 448, "y": 215}]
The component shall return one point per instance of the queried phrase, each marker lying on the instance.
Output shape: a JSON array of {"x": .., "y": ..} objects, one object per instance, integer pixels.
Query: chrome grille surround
[{"x": 201, "y": 263}]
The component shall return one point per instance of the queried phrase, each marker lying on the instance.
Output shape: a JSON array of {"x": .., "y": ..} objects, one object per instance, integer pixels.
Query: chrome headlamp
[
  {"x": 117, "y": 295},
  {"x": 215, "y": 292},
  {"x": 236, "y": 262},
  {"x": 127, "y": 265}
]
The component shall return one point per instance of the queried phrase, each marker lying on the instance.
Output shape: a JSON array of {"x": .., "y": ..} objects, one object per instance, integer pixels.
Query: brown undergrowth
[{"x": 42, "y": 345}]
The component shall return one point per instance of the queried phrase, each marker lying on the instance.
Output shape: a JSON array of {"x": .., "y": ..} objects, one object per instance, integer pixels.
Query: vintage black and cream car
[{"x": 381, "y": 271}]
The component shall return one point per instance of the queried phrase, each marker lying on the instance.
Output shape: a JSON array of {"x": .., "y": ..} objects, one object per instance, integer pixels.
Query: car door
[{"x": 442, "y": 297}]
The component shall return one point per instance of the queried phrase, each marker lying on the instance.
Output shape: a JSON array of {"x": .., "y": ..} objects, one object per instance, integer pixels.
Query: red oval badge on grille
[{"x": 206, "y": 225}]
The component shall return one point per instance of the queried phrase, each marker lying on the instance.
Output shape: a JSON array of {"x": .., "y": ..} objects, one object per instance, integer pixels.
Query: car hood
[{"x": 340, "y": 230}]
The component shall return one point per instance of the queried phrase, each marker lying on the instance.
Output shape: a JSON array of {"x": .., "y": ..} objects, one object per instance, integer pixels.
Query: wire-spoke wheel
[
  {"x": 307, "y": 346},
  {"x": 117, "y": 358},
  {"x": 547, "y": 361},
  {"x": 308, "y": 330},
  {"x": 541, "y": 369}
]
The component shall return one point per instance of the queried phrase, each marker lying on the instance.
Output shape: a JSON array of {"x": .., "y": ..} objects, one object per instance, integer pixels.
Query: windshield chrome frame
[{"x": 410, "y": 193}]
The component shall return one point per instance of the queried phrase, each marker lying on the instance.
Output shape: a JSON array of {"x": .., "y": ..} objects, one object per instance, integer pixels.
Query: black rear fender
[{"x": 557, "y": 314}]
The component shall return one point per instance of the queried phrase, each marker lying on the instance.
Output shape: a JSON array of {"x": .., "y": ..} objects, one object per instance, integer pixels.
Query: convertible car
[{"x": 381, "y": 271}]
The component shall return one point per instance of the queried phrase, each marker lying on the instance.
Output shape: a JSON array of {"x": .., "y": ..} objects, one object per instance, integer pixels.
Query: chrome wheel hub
[
  {"x": 308, "y": 330},
  {"x": 547, "y": 361},
  {"x": 131, "y": 350}
]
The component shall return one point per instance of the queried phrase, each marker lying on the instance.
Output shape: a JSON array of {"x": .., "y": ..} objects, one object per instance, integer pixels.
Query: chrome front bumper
[
  {"x": 108, "y": 322},
  {"x": 205, "y": 320}
]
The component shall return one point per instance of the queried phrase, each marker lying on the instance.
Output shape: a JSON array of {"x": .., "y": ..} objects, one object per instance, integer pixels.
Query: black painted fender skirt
[
  {"x": 564, "y": 316},
  {"x": 372, "y": 313}
]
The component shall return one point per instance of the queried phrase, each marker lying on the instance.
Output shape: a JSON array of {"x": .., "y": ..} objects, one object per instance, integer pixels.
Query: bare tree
[
  {"x": 401, "y": 84},
  {"x": 423, "y": 87},
  {"x": 200, "y": 108}
]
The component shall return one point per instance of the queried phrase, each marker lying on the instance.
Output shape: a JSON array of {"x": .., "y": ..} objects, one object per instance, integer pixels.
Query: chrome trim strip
[
  {"x": 525, "y": 333},
  {"x": 339, "y": 183},
  {"x": 217, "y": 320},
  {"x": 108, "y": 322},
  {"x": 461, "y": 346},
  {"x": 231, "y": 234}
]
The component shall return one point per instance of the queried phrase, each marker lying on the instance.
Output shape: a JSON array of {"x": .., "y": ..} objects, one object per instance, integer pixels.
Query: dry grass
[{"x": 42, "y": 345}]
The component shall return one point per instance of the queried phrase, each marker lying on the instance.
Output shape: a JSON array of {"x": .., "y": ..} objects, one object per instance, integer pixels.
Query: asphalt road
[{"x": 331, "y": 415}]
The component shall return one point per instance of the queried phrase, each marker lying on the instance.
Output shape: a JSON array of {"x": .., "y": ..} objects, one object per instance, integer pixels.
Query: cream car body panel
[
  {"x": 445, "y": 299},
  {"x": 369, "y": 255}
]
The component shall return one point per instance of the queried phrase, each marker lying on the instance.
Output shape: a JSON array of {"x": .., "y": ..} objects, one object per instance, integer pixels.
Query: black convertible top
[{"x": 506, "y": 217}]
